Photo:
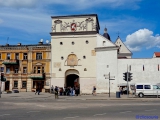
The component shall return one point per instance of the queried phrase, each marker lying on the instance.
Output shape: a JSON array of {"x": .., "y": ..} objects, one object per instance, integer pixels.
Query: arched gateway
[{"x": 72, "y": 78}]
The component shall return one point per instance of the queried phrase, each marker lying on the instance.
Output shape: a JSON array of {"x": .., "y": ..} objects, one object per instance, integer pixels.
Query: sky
[{"x": 137, "y": 22}]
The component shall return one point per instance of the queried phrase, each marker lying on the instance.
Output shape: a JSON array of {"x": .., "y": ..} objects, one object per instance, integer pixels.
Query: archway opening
[{"x": 72, "y": 80}]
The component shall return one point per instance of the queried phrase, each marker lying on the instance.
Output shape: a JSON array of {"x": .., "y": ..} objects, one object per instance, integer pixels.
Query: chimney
[
  {"x": 19, "y": 44},
  {"x": 40, "y": 43}
]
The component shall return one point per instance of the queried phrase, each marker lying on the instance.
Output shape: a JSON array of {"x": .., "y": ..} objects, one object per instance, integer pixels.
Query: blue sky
[{"x": 137, "y": 21}]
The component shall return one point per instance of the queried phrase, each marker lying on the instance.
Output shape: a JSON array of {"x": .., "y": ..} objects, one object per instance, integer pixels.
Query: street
[{"x": 40, "y": 108}]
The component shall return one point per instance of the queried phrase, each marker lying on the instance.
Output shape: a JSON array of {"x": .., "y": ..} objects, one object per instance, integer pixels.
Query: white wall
[
  {"x": 106, "y": 62},
  {"x": 149, "y": 75},
  {"x": 80, "y": 49}
]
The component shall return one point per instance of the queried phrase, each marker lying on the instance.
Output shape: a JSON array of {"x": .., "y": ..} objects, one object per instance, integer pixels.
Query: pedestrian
[
  {"x": 94, "y": 91},
  {"x": 73, "y": 93},
  {"x": 56, "y": 92},
  {"x": 76, "y": 91},
  {"x": 52, "y": 89},
  {"x": 120, "y": 89},
  {"x": 37, "y": 91}
]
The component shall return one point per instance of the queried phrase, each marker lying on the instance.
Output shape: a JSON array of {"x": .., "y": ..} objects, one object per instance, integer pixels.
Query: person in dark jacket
[
  {"x": 56, "y": 92},
  {"x": 37, "y": 91}
]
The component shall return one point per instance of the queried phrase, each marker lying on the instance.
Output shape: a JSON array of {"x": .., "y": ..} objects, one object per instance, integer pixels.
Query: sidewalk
[{"x": 31, "y": 95}]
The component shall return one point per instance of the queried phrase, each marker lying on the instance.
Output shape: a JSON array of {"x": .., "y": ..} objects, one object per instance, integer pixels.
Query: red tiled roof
[{"x": 157, "y": 54}]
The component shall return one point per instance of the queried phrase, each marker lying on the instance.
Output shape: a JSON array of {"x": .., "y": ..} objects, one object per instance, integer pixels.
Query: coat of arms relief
[{"x": 88, "y": 25}]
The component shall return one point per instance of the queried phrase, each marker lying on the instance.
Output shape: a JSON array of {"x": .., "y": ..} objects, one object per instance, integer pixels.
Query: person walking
[
  {"x": 56, "y": 92},
  {"x": 94, "y": 91},
  {"x": 37, "y": 91},
  {"x": 121, "y": 91},
  {"x": 76, "y": 91},
  {"x": 52, "y": 89}
]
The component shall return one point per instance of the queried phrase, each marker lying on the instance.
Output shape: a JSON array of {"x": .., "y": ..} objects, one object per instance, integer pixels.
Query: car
[
  {"x": 146, "y": 89},
  {"x": 15, "y": 91}
]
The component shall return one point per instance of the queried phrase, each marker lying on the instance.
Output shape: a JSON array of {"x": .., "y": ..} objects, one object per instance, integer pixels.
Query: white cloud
[{"x": 142, "y": 38}]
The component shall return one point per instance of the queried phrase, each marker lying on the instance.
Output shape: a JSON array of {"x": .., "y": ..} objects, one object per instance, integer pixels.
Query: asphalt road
[{"x": 48, "y": 109}]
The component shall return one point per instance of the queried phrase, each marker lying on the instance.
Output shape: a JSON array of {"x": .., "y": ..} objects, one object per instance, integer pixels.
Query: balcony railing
[
  {"x": 10, "y": 62},
  {"x": 36, "y": 76}
]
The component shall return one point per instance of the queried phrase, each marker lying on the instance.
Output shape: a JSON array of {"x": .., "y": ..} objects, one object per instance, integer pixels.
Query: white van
[{"x": 146, "y": 89}]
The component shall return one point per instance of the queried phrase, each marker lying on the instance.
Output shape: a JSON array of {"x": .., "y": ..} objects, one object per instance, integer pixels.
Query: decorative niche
[
  {"x": 73, "y": 43},
  {"x": 87, "y": 41},
  {"x": 61, "y": 43}
]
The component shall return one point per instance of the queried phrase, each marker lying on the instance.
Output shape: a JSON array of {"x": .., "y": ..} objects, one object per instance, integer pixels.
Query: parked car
[
  {"x": 15, "y": 91},
  {"x": 146, "y": 89}
]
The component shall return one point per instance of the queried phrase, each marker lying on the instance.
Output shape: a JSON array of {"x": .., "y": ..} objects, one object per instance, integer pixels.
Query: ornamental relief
[
  {"x": 72, "y": 60},
  {"x": 88, "y": 25}
]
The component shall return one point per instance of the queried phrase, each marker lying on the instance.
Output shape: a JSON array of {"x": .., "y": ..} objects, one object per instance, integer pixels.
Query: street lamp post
[{"x": 109, "y": 77}]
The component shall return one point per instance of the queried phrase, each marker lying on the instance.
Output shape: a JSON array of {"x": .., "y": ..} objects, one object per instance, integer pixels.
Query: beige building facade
[{"x": 25, "y": 67}]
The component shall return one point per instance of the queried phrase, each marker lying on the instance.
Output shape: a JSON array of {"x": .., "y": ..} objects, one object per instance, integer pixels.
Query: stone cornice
[
  {"x": 97, "y": 49},
  {"x": 73, "y": 33}
]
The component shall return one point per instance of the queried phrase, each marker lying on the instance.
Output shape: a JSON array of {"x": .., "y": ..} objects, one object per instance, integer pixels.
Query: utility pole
[
  {"x": 109, "y": 84},
  {"x": 108, "y": 76},
  {"x": 127, "y": 83}
]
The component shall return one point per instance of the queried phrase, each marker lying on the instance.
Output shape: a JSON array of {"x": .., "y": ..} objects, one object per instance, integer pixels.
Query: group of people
[
  {"x": 123, "y": 90},
  {"x": 68, "y": 91}
]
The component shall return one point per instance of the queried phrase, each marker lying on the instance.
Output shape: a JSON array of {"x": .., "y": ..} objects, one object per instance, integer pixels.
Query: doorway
[
  {"x": 38, "y": 84},
  {"x": 72, "y": 80},
  {"x": 7, "y": 85}
]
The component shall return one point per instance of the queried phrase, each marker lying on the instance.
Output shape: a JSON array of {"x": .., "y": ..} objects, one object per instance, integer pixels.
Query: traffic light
[
  {"x": 125, "y": 76},
  {"x": 130, "y": 76}
]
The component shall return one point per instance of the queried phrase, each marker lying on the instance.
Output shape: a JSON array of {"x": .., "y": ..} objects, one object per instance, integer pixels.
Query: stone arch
[{"x": 72, "y": 78}]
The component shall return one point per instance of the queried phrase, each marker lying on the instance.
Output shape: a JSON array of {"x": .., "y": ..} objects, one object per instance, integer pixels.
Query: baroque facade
[{"x": 25, "y": 67}]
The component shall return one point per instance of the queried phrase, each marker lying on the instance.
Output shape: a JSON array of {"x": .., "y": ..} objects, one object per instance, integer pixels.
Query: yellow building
[{"x": 26, "y": 67}]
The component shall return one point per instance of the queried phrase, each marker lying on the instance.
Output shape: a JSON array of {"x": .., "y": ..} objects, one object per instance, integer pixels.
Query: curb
[{"x": 117, "y": 99}]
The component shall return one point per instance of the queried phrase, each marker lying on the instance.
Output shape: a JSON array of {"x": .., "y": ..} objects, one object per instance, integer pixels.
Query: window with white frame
[
  {"x": 7, "y": 70},
  {"x": 39, "y": 56},
  {"x": 38, "y": 69},
  {"x": 24, "y": 69},
  {"x": 16, "y": 70},
  {"x": 8, "y": 56},
  {"x": 16, "y": 56},
  {"x": 25, "y": 56}
]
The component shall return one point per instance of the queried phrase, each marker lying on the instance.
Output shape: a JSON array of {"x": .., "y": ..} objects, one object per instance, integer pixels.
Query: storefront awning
[
  {"x": 10, "y": 62},
  {"x": 37, "y": 78}
]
